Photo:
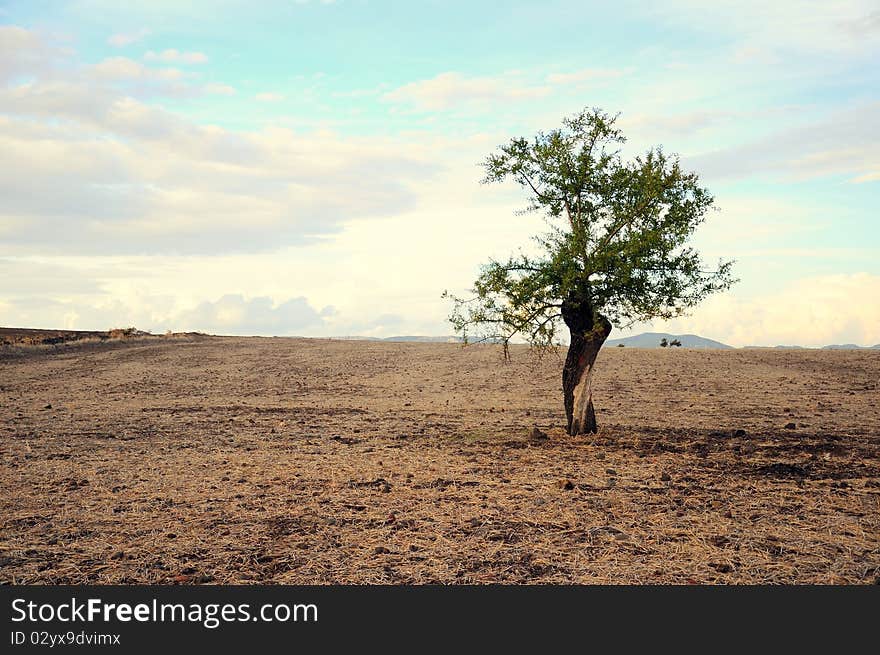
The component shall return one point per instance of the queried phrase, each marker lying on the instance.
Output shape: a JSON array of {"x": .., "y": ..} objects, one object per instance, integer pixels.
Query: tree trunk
[{"x": 588, "y": 332}]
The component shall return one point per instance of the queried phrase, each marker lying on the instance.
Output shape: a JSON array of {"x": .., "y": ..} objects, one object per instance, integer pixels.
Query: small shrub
[{"x": 122, "y": 333}]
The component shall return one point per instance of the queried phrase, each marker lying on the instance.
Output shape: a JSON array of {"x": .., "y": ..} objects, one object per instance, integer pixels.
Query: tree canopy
[{"x": 617, "y": 244}]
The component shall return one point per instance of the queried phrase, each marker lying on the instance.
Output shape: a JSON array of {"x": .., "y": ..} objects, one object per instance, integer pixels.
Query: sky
[{"x": 312, "y": 167}]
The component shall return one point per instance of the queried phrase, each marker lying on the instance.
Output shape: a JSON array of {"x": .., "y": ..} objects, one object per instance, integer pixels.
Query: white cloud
[
  {"x": 813, "y": 311},
  {"x": 125, "y": 69},
  {"x": 268, "y": 97},
  {"x": 32, "y": 63},
  {"x": 844, "y": 27},
  {"x": 134, "y": 179},
  {"x": 659, "y": 125},
  {"x": 401, "y": 259},
  {"x": 867, "y": 177},
  {"x": 122, "y": 39},
  {"x": 234, "y": 314},
  {"x": 26, "y": 53},
  {"x": 219, "y": 89},
  {"x": 176, "y": 56},
  {"x": 844, "y": 142},
  {"x": 231, "y": 314},
  {"x": 584, "y": 75},
  {"x": 866, "y": 25},
  {"x": 453, "y": 90},
  {"x": 130, "y": 177},
  {"x": 40, "y": 276}
]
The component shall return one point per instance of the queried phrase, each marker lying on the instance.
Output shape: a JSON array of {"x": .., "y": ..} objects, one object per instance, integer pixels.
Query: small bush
[{"x": 122, "y": 333}]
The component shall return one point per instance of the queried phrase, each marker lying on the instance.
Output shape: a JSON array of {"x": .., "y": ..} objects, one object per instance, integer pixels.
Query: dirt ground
[{"x": 257, "y": 460}]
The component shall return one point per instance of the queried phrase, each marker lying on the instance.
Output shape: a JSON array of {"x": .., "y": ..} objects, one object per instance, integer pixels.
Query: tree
[
  {"x": 663, "y": 342},
  {"x": 675, "y": 343},
  {"x": 616, "y": 251}
]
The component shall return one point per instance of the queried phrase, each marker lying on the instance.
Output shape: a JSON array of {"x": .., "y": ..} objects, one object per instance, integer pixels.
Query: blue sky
[{"x": 311, "y": 167}]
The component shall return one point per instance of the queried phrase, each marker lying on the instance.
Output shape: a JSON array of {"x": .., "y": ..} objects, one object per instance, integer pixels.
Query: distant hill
[
  {"x": 652, "y": 340},
  {"x": 850, "y": 346},
  {"x": 644, "y": 340}
]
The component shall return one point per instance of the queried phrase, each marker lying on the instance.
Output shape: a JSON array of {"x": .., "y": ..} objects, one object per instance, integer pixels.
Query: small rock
[
  {"x": 181, "y": 579},
  {"x": 611, "y": 471},
  {"x": 665, "y": 477},
  {"x": 600, "y": 456},
  {"x": 790, "y": 426},
  {"x": 117, "y": 555},
  {"x": 722, "y": 567},
  {"x": 739, "y": 433},
  {"x": 565, "y": 485},
  {"x": 537, "y": 433},
  {"x": 171, "y": 535},
  {"x": 380, "y": 550},
  {"x": 48, "y": 406}
]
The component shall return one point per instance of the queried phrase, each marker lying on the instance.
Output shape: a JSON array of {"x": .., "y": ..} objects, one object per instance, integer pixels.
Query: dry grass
[{"x": 310, "y": 461}]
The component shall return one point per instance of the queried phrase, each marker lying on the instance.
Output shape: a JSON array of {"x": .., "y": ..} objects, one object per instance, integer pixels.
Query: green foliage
[{"x": 617, "y": 240}]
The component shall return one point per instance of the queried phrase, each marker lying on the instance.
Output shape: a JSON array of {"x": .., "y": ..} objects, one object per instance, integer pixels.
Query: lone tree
[{"x": 616, "y": 250}]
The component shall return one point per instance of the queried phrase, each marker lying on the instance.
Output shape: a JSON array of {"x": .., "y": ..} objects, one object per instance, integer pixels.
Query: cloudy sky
[{"x": 311, "y": 168}]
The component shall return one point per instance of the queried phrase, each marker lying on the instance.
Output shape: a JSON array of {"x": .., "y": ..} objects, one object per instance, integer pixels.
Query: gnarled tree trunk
[{"x": 588, "y": 332}]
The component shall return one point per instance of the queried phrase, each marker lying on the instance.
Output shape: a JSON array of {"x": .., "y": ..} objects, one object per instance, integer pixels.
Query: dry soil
[{"x": 253, "y": 460}]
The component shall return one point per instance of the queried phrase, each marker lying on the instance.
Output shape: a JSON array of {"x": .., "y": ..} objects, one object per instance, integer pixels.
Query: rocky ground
[{"x": 256, "y": 460}]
